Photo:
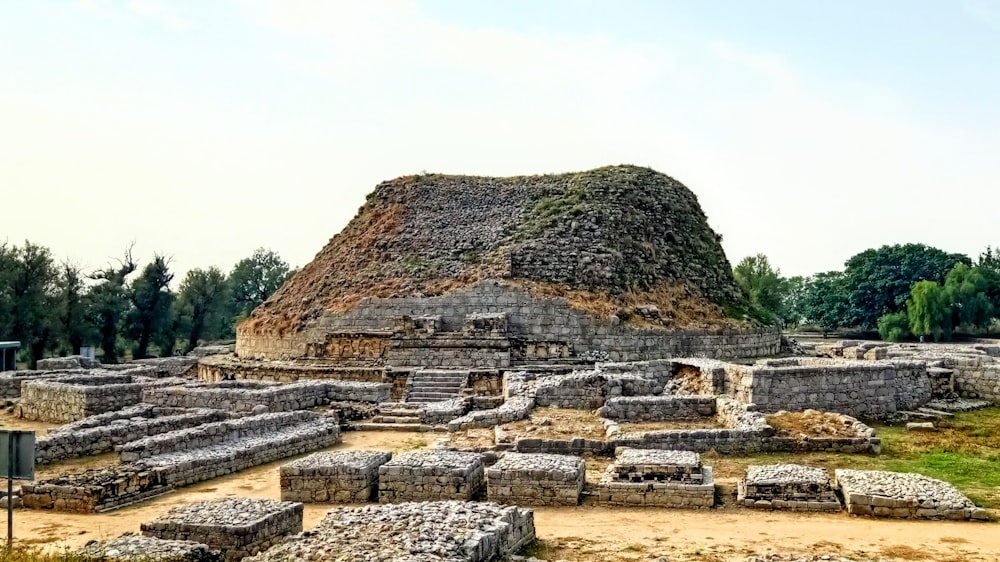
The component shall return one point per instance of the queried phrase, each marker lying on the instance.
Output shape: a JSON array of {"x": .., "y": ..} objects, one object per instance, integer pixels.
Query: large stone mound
[{"x": 606, "y": 233}]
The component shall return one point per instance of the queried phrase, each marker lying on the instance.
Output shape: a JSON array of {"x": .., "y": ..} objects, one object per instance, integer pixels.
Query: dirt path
[{"x": 586, "y": 533}]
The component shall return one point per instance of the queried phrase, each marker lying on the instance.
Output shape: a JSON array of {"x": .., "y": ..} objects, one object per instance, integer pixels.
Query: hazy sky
[{"x": 809, "y": 130}]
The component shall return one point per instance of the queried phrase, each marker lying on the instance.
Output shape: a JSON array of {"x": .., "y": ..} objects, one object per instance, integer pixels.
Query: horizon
[{"x": 809, "y": 133}]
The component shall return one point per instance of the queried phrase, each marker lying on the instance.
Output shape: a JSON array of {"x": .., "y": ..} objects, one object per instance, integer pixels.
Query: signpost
[{"x": 17, "y": 462}]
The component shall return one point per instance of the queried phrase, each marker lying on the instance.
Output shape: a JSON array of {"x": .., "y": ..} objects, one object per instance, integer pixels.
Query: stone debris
[
  {"x": 431, "y": 475},
  {"x": 657, "y": 478},
  {"x": 904, "y": 495},
  {"x": 787, "y": 486},
  {"x": 536, "y": 479},
  {"x": 956, "y": 404},
  {"x": 920, "y": 426},
  {"x": 244, "y": 396},
  {"x": 238, "y": 527},
  {"x": 513, "y": 409},
  {"x": 138, "y": 548},
  {"x": 588, "y": 390},
  {"x": 341, "y": 476},
  {"x": 446, "y": 531}
]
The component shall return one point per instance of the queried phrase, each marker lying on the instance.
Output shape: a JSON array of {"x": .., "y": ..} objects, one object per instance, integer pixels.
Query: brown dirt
[
  {"x": 707, "y": 423},
  {"x": 810, "y": 423},
  {"x": 586, "y": 534},
  {"x": 564, "y": 424},
  {"x": 9, "y": 421}
]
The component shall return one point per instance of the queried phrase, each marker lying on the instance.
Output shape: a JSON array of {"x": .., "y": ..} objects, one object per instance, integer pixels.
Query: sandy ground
[{"x": 584, "y": 533}]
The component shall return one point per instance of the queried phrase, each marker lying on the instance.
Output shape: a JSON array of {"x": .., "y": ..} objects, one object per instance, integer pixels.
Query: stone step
[
  {"x": 370, "y": 426},
  {"x": 937, "y": 413},
  {"x": 448, "y": 385},
  {"x": 431, "y": 395},
  {"x": 416, "y": 380},
  {"x": 920, "y": 415},
  {"x": 396, "y": 419}
]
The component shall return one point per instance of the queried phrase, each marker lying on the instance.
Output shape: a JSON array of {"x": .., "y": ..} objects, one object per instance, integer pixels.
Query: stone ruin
[
  {"x": 74, "y": 397},
  {"x": 336, "y": 477},
  {"x": 787, "y": 486},
  {"x": 903, "y": 495},
  {"x": 130, "y": 548},
  {"x": 640, "y": 477},
  {"x": 536, "y": 479},
  {"x": 236, "y": 527},
  {"x": 431, "y": 475},
  {"x": 412, "y": 532}
]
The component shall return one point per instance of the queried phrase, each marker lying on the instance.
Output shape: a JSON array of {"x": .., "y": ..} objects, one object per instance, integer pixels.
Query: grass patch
[{"x": 20, "y": 553}]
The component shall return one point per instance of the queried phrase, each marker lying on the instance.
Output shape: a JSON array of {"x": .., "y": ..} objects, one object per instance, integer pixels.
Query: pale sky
[{"x": 201, "y": 130}]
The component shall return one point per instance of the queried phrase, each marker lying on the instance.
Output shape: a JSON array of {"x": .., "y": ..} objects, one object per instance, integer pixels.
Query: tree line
[
  {"x": 901, "y": 291},
  {"x": 55, "y": 308}
]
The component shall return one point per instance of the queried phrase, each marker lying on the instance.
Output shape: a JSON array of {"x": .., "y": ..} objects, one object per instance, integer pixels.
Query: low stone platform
[
  {"x": 787, "y": 486},
  {"x": 341, "y": 476},
  {"x": 138, "y": 548},
  {"x": 411, "y": 532},
  {"x": 74, "y": 397},
  {"x": 659, "y": 478},
  {"x": 431, "y": 475},
  {"x": 238, "y": 527},
  {"x": 903, "y": 495},
  {"x": 536, "y": 479}
]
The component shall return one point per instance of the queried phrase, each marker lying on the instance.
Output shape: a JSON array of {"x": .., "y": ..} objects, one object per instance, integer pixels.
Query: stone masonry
[
  {"x": 536, "y": 479},
  {"x": 74, "y": 397},
  {"x": 138, "y": 548},
  {"x": 657, "y": 478},
  {"x": 903, "y": 495},
  {"x": 787, "y": 486},
  {"x": 244, "y": 396},
  {"x": 431, "y": 475},
  {"x": 238, "y": 527},
  {"x": 341, "y": 477}
]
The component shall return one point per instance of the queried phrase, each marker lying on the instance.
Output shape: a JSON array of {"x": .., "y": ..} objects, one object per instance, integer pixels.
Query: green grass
[{"x": 34, "y": 554}]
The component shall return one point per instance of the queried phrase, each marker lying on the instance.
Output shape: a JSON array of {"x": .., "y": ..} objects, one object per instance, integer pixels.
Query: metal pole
[{"x": 10, "y": 491}]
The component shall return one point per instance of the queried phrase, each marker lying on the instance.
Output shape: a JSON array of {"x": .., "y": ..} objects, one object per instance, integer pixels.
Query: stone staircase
[{"x": 435, "y": 385}]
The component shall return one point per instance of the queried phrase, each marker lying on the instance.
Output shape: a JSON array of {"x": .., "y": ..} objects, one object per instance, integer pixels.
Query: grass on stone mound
[
  {"x": 35, "y": 554},
  {"x": 964, "y": 451}
]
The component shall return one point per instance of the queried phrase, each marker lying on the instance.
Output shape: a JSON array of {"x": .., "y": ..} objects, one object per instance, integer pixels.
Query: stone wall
[
  {"x": 431, "y": 475},
  {"x": 588, "y": 390},
  {"x": 539, "y": 479},
  {"x": 102, "y": 433},
  {"x": 529, "y": 318},
  {"x": 340, "y": 476},
  {"x": 657, "y": 408},
  {"x": 72, "y": 398},
  {"x": 903, "y": 495},
  {"x": 219, "y": 368},
  {"x": 245, "y": 396}
]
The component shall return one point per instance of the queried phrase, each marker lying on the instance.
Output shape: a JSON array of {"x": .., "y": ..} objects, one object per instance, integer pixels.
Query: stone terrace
[
  {"x": 238, "y": 527},
  {"x": 536, "y": 479},
  {"x": 74, "y": 397},
  {"x": 657, "y": 478},
  {"x": 787, "y": 486},
  {"x": 450, "y": 531},
  {"x": 904, "y": 495},
  {"x": 244, "y": 396},
  {"x": 340, "y": 476},
  {"x": 431, "y": 475}
]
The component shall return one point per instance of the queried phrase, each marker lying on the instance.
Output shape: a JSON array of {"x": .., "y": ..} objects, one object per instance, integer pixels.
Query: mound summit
[{"x": 604, "y": 238}]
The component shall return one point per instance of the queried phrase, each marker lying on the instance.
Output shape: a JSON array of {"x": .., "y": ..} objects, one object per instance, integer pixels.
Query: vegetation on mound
[{"x": 608, "y": 240}]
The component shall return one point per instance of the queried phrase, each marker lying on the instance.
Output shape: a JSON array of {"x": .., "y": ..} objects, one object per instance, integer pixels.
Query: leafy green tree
[
  {"x": 34, "y": 294},
  {"x": 761, "y": 284},
  {"x": 825, "y": 301},
  {"x": 151, "y": 298},
  {"x": 8, "y": 268},
  {"x": 894, "y": 326},
  {"x": 256, "y": 278},
  {"x": 108, "y": 304},
  {"x": 929, "y": 311},
  {"x": 989, "y": 266},
  {"x": 967, "y": 289},
  {"x": 201, "y": 305},
  {"x": 71, "y": 308},
  {"x": 792, "y": 296},
  {"x": 879, "y": 280}
]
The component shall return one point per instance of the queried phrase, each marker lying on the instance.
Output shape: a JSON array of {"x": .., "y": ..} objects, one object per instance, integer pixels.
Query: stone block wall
[
  {"x": 129, "y": 548},
  {"x": 787, "y": 486},
  {"x": 217, "y": 368},
  {"x": 431, "y": 475},
  {"x": 903, "y": 495},
  {"x": 237, "y": 527},
  {"x": 658, "y": 408},
  {"x": 358, "y": 348},
  {"x": 588, "y": 390},
  {"x": 529, "y": 318},
  {"x": 244, "y": 396},
  {"x": 72, "y": 398},
  {"x": 536, "y": 479},
  {"x": 102, "y": 433},
  {"x": 341, "y": 477}
]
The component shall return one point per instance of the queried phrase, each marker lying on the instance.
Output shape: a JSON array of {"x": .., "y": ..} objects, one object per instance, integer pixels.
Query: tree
[
  {"x": 8, "y": 267},
  {"x": 989, "y": 266},
  {"x": 894, "y": 326},
  {"x": 966, "y": 289},
  {"x": 761, "y": 284},
  {"x": 201, "y": 305},
  {"x": 792, "y": 297},
  {"x": 108, "y": 303},
  {"x": 879, "y": 281},
  {"x": 929, "y": 311},
  {"x": 825, "y": 301},
  {"x": 151, "y": 298},
  {"x": 71, "y": 308},
  {"x": 256, "y": 278},
  {"x": 33, "y": 290}
]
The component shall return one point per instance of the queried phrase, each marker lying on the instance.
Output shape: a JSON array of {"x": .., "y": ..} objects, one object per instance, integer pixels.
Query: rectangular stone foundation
[
  {"x": 787, "y": 486},
  {"x": 129, "y": 548},
  {"x": 238, "y": 527},
  {"x": 342, "y": 477},
  {"x": 895, "y": 494},
  {"x": 430, "y": 476},
  {"x": 536, "y": 479},
  {"x": 660, "y": 478}
]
